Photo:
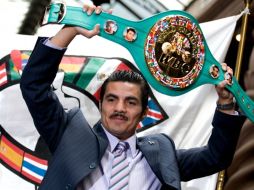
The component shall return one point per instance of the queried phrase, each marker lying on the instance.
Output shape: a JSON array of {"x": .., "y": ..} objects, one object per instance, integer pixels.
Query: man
[
  {"x": 130, "y": 34},
  {"x": 214, "y": 71},
  {"x": 110, "y": 27},
  {"x": 85, "y": 157},
  {"x": 229, "y": 78}
]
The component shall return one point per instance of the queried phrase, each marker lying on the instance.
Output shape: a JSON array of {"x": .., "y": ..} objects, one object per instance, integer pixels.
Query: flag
[
  {"x": 34, "y": 168},
  {"x": 11, "y": 154},
  {"x": 154, "y": 114},
  {"x": 3, "y": 74},
  {"x": 185, "y": 118}
]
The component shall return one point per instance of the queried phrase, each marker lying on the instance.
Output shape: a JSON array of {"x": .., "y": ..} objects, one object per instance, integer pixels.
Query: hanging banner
[{"x": 23, "y": 155}]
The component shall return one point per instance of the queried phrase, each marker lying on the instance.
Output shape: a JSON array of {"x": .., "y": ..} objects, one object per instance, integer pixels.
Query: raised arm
[
  {"x": 67, "y": 34},
  {"x": 218, "y": 154},
  {"x": 48, "y": 114}
]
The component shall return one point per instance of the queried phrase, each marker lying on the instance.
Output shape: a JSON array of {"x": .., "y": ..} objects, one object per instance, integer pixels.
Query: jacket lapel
[
  {"x": 102, "y": 139},
  {"x": 166, "y": 171},
  {"x": 150, "y": 150}
]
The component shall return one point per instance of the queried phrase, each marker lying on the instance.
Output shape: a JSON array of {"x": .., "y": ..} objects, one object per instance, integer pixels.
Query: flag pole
[
  {"x": 242, "y": 40},
  {"x": 221, "y": 175}
]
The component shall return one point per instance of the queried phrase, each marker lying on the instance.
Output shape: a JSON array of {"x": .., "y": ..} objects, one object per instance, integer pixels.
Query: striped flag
[
  {"x": 34, "y": 168},
  {"x": 72, "y": 64},
  {"x": 11, "y": 154},
  {"x": 21, "y": 160},
  {"x": 24, "y": 58},
  {"x": 3, "y": 74},
  {"x": 154, "y": 114},
  {"x": 16, "y": 59}
]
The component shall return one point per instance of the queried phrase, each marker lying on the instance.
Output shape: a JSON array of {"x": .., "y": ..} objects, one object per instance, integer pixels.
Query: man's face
[
  {"x": 130, "y": 35},
  {"x": 111, "y": 27},
  {"x": 121, "y": 108},
  {"x": 215, "y": 71}
]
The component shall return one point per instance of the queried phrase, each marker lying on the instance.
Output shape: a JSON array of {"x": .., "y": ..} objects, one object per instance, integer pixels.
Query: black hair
[
  {"x": 131, "y": 29},
  {"x": 109, "y": 22},
  {"x": 128, "y": 76},
  {"x": 215, "y": 66}
]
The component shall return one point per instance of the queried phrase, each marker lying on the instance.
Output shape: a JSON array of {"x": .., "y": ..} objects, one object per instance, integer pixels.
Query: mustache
[{"x": 119, "y": 114}]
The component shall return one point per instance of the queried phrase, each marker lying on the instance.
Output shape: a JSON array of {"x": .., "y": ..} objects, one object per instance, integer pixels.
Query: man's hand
[
  {"x": 67, "y": 33},
  {"x": 225, "y": 97},
  {"x": 89, "y": 9}
]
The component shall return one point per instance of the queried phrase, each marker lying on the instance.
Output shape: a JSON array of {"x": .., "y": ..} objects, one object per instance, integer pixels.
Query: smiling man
[
  {"x": 130, "y": 34},
  {"x": 122, "y": 107},
  {"x": 110, "y": 155}
]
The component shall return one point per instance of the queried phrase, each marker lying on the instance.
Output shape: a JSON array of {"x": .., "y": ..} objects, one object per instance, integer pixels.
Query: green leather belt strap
[{"x": 169, "y": 49}]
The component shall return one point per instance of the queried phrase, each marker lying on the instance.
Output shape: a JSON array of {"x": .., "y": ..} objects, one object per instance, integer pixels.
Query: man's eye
[
  {"x": 132, "y": 103},
  {"x": 110, "y": 99}
]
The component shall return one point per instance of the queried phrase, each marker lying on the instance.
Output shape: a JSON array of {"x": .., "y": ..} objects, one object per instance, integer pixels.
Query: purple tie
[{"x": 120, "y": 168}]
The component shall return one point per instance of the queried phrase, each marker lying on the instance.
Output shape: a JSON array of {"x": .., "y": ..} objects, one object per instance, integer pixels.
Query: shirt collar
[{"x": 113, "y": 141}]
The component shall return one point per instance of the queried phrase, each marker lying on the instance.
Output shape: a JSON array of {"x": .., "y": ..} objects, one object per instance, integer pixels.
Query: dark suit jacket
[{"x": 77, "y": 148}]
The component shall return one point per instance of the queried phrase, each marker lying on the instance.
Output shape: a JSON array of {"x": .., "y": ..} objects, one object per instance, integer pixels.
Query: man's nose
[{"x": 120, "y": 106}]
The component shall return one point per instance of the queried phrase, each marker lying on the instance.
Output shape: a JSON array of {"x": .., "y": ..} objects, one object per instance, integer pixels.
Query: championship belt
[{"x": 169, "y": 48}]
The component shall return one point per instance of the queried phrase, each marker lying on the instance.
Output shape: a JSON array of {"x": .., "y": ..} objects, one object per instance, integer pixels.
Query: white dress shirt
[{"x": 141, "y": 175}]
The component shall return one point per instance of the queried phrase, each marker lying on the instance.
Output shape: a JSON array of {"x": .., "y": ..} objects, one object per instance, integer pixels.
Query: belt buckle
[{"x": 61, "y": 13}]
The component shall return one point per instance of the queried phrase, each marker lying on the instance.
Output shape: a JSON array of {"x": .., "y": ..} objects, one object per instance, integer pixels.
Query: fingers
[
  {"x": 89, "y": 9},
  {"x": 222, "y": 84},
  {"x": 226, "y": 68},
  {"x": 89, "y": 33},
  {"x": 224, "y": 96},
  {"x": 220, "y": 88},
  {"x": 110, "y": 11},
  {"x": 223, "y": 93},
  {"x": 95, "y": 31},
  {"x": 228, "y": 73},
  {"x": 98, "y": 10}
]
